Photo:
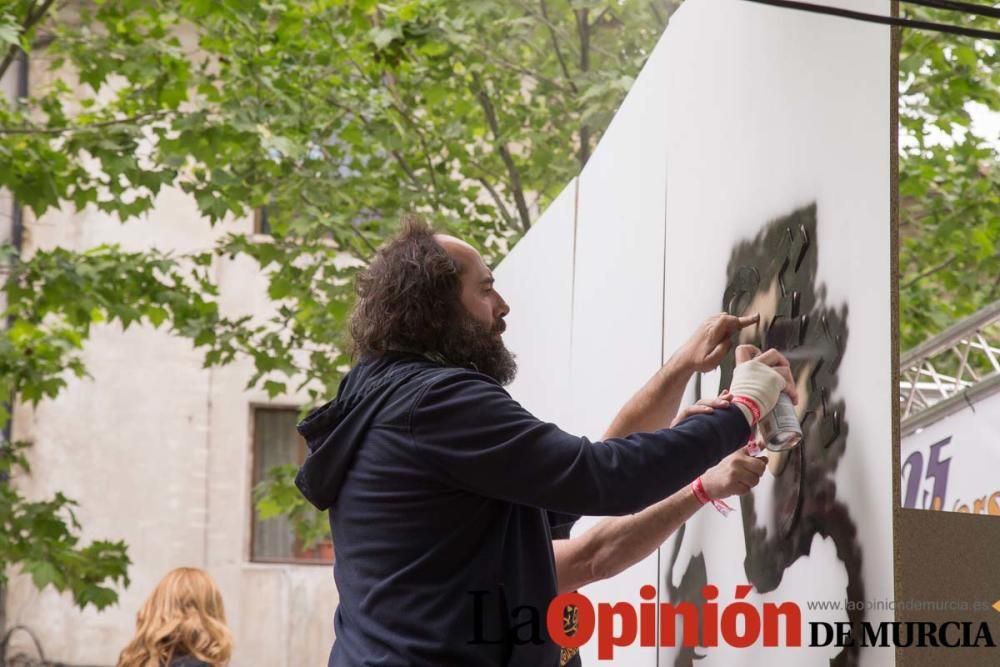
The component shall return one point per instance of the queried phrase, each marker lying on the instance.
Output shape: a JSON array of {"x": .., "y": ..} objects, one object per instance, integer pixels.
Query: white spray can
[{"x": 780, "y": 428}]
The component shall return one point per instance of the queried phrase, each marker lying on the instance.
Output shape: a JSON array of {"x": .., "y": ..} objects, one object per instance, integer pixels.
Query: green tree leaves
[
  {"x": 275, "y": 103},
  {"x": 42, "y": 536},
  {"x": 277, "y": 496},
  {"x": 336, "y": 115},
  {"x": 949, "y": 180}
]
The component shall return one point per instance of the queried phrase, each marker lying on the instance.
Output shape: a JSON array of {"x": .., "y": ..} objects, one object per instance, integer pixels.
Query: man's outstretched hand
[
  {"x": 713, "y": 339},
  {"x": 735, "y": 475}
]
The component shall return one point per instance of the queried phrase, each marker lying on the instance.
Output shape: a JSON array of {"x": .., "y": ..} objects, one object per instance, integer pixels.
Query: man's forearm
[
  {"x": 615, "y": 544},
  {"x": 656, "y": 403}
]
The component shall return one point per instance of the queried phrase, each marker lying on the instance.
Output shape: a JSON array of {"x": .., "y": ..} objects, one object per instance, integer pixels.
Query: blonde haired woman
[{"x": 181, "y": 624}]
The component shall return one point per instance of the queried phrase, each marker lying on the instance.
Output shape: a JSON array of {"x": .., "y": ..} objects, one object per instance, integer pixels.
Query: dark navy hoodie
[{"x": 443, "y": 494}]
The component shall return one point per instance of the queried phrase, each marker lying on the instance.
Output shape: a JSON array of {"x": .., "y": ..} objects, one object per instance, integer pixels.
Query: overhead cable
[{"x": 887, "y": 20}]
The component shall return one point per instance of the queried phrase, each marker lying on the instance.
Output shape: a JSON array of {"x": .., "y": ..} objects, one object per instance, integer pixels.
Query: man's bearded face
[{"x": 475, "y": 344}]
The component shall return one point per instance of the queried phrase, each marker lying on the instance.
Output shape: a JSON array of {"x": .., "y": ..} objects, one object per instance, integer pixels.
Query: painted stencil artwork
[
  {"x": 774, "y": 274},
  {"x": 781, "y": 206},
  {"x": 747, "y": 171}
]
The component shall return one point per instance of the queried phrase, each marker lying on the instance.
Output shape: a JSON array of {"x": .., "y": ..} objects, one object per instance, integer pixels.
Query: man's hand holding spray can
[
  {"x": 764, "y": 391},
  {"x": 756, "y": 379}
]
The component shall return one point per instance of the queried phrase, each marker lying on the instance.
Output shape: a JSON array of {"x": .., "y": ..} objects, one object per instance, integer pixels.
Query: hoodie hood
[{"x": 334, "y": 431}]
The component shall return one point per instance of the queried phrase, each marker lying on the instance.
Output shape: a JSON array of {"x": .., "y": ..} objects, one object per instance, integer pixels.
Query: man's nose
[{"x": 504, "y": 308}]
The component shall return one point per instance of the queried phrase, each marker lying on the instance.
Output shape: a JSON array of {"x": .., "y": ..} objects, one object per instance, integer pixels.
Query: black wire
[
  {"x": 884, "y": 20},
  {"x": 981, "y": 10}
]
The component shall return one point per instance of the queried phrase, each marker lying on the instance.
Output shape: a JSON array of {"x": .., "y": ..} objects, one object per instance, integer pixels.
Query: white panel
[
  {"x": 536, "y": 280},
  {"x": 768, "y": 113},
  {"x": 618, "y": 295},
  {"x": 952, "y": 464}
]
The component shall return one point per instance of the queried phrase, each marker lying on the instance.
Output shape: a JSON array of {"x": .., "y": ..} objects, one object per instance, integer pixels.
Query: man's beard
[{"x": 473, "y": 344}]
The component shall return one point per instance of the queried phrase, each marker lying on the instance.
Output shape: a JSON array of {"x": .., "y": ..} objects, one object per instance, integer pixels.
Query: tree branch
[
  {"x": 389, "y": 80},
  {"x": 553, "y": 26},
  {"x": 512, "y": 172},
  {"x": 83, "y": 128},
  {"x": 390, "y": 83},
  {"x": 397, "y": 105},
  {"x": 8, "y": 59},
  {"x": 491, "y": 55},
  {"x": 929, "y": 272},
  {"x": 400, "y": 109},
  {"x": 555, "y": 45},
  {"x": 403, "y": 164},
  {"x": 504, "y": 213},
  {"x": 583, "y": 29},
  {"x": 600, "y": 17},
  {"x": 479, "y": 165},
  {"x": 657, "y": 15},
  {"x": 30, "y": 20},
  {"x": 357, "y": 253},
  {"x": 994, "y": 291},
  {"x": 364, "y": 239}
]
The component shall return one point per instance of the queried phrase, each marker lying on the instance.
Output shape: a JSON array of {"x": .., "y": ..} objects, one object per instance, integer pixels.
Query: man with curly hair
[{"x": 444, "y": 494}]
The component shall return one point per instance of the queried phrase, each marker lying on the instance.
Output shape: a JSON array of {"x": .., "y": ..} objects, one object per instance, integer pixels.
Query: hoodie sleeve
[{"x": 468, "y": 431}]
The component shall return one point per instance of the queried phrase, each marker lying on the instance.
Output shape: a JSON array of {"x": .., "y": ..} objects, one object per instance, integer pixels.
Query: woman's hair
[
  {"x": 408, "y": 296},
  {"x": 183, "y": 616}
]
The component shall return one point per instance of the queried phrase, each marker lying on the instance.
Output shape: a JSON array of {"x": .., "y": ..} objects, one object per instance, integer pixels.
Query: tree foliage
[
  {"x": 42, "y": 537},
  {"x": 277, "y": 496},
  {"x": 336, "y": 116},
  {"x": 949, "y": 180}
]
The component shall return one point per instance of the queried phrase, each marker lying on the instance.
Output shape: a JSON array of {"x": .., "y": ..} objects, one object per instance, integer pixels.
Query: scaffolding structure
[{"x": 956, "y": 368}]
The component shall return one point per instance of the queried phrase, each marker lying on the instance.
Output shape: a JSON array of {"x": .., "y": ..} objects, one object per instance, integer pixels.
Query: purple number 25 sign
[{"x": 916, "y": 476}]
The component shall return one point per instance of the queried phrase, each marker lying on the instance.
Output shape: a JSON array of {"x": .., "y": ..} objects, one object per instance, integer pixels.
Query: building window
[
  {"x": 276, "y": 442},
  {"x": 261, "y": 225}
]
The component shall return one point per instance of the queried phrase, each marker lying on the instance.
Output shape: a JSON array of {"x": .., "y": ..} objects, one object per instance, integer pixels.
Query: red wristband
[
  {"x": 751, "y": 406},
  {"x": 699, "y": 492}
]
